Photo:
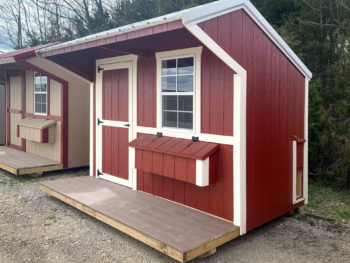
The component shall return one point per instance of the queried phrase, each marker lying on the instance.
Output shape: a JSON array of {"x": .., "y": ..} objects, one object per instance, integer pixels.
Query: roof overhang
[{"x": 190, "y": 18}]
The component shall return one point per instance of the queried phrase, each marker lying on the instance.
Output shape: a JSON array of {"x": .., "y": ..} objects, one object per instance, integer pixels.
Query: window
[
  {"x": 40, "y": 94},
  {"x": 177, "y": 83}
]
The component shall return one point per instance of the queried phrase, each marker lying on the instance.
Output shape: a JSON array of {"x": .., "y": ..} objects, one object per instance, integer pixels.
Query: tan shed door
[{"x": 15, "y": 112}]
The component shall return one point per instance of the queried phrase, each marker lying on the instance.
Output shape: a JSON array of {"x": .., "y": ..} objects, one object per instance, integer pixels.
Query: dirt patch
[{"x": 37, "y": 228}]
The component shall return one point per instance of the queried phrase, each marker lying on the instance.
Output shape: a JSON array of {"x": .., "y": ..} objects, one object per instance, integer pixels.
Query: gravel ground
[{"x": 37, "y": 228}]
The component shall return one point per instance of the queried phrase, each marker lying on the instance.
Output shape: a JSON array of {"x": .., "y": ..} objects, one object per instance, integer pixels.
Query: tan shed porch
[
  {"x": 180, "y": 232},
  {"x": 18, "y": 162}
]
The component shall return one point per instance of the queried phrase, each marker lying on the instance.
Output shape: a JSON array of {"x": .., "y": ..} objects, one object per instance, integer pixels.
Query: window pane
[
  {"x": 184, "y": 83},
  {"x": 169, "y": 84},
  {"x": 37, "y": 107},
  {"x": 43, "y": 98},
  {"x": 169, "y": 102},
  {"x": 169, "y": 119},
  {"x": 43, "y": 108},
  {"x": 185, "y": 66},
  {"x": 169, "y": 67},
  {"x": 37, "y": 87},
  {"x": 185, "y": 120},
  {"x": 185, "y": 103},
  {"x": 37, "y": 98}
]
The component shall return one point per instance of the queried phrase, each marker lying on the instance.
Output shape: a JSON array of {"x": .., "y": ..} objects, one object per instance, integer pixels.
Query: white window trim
[
  {"x": 40, "y": 92},
  {"x": 196, "y": 53}
]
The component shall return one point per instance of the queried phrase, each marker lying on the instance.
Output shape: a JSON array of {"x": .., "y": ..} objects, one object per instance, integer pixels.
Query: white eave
[
  {"x": 194, "y": 16},
  {"x": 7, "y": 60}
]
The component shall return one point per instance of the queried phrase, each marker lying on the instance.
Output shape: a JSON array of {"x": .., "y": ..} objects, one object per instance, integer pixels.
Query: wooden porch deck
[
  {"x": 18, "y": 162},
  {"x": 178, "y": 231}
]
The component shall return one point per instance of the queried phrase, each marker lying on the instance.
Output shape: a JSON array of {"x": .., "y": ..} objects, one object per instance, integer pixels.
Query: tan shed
[{"x": 46, "y": 123}]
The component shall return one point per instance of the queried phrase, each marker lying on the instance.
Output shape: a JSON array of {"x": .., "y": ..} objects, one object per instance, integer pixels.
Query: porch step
[
  {"x": 18, "y": 162},
  {"x": 175, "y": 230}
]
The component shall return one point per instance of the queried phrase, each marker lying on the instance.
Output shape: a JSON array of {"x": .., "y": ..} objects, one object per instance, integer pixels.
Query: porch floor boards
[
  {"x": 178, "y": 231},
  {"x": 18, "y": 162}
]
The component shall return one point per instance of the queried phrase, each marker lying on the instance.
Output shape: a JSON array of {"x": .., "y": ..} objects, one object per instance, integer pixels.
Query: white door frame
[{"x": 124, "y": 62}]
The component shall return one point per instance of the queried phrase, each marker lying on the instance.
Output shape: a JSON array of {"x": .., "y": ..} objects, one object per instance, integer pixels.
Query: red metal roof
[
  {"x": 175, "y": 146},
  {"x": 25, "y": 52}
]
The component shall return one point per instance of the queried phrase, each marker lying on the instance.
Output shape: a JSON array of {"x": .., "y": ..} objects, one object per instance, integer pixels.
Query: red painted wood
[
  {"x": 157, "y": 163},
  {"x": 115, "y": 86},
  {"x": 174, "y": 146},
  {"x": 169, "y": 166},
  {"x": 209, "y": 199},
  {"x": 180, "y": 169},
  {"x": 191, "y": 171},
  {"x": 147, "y": 162},
  {"x": 173, "y": 25},
  {"x": 275, "y": 112},
  {"x": 45, "y": 135}
]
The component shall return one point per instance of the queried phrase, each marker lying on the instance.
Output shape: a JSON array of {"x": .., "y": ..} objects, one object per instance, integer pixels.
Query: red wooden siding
[
  {"x": 216, "y": 199},
  {"x": 216, "y": 95},
  {"x": 146, "y": 92},
  {"x": 275, "y": 112}
]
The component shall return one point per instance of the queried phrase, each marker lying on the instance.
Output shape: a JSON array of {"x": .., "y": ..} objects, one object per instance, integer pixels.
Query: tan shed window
[{"x": 40, "y": 94}]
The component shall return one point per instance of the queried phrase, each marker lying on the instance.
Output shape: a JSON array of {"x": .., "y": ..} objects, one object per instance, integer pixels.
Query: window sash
[
  {"x": 178, "y": 93},
  {"x": 40, "y": 92}
]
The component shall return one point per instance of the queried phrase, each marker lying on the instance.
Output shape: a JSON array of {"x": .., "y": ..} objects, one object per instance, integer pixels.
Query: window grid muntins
[
  {"x": 177, "y": 85},
  {"x": 40, "y": 94}
]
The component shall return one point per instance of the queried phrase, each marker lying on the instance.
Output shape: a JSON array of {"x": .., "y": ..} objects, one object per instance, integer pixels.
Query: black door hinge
[
  {"x": 99, "y": 69},
  {"x": 99, "y": 121},
  {"x": 99, "y": 173}
]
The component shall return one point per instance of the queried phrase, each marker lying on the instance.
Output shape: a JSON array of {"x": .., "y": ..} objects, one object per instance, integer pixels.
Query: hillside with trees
[{"x": 317, "y": 30}]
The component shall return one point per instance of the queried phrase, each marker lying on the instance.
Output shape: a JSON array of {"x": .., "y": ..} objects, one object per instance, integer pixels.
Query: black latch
[
  {"x": 194, "y": 140},
  {"x": 99, "y": 173},
  {"x": 127, "y": 125},
  {"x": 159, "y": 134},
  {"x": 99, "y": 121},
  {"x": 99, "y": 69}
]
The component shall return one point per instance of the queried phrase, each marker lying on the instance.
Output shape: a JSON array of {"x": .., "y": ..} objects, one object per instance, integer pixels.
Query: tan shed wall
[
  {"x": 55, "y": 98},
  {"x": 51, "y": 150},
  {"x": 78, "y": 112}
]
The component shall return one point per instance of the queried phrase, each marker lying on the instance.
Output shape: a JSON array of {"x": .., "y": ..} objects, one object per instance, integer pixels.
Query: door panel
[
  {"x": 15, "y": 111},
  {"x": 115, "y": 95},
  {"x": 114, "y": 151}
]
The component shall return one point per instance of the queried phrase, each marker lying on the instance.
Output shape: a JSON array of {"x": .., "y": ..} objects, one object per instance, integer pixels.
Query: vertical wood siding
[
  {"x": 275, "y": 112},
  {"x": 217, "y": 118},
  {"x": 216, "y": 199}
]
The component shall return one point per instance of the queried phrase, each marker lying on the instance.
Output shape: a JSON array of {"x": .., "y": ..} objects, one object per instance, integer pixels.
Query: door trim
[{"x": 124, "y": 62}]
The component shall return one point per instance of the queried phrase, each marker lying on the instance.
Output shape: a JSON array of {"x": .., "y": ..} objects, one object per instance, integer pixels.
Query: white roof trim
[
  {"x": 7, "y": 60},
  {"x": 194, "y": 16}
]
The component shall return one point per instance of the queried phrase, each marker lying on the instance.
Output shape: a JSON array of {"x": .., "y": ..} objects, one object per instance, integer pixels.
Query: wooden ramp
[
  {"x": 178, "y": 231},
  {"x": 18, "y": 162}
]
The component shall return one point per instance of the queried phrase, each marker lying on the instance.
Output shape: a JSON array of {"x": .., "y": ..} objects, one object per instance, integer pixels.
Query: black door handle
[{"x": 127, "y": 125}]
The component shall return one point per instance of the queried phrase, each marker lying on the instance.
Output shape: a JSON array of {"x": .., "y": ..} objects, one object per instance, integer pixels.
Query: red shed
[{"x": 206, "y": 107}]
